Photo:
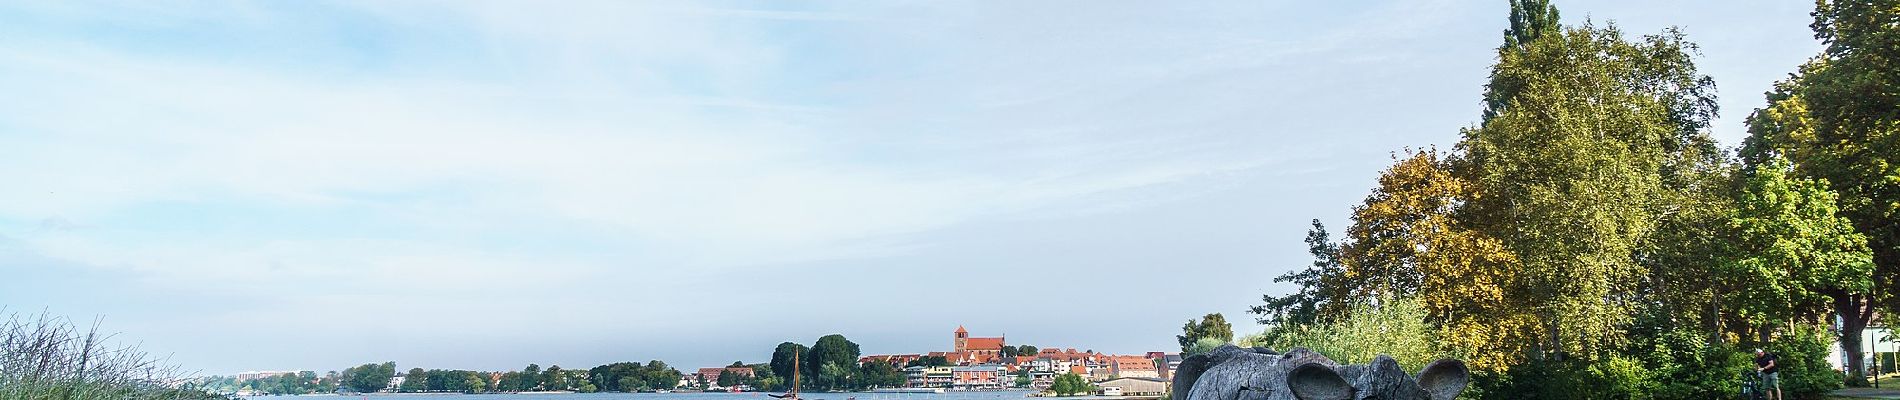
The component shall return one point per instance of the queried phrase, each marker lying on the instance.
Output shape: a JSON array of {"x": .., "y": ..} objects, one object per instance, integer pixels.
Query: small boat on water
[{"x": 793, "y": 394}]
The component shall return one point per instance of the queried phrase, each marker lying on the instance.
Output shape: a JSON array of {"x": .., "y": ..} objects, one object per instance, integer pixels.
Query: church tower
[{"x": 963, "y": 339}]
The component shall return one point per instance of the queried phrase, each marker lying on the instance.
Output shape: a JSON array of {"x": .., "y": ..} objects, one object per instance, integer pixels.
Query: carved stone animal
[{"x": 1233, "y": 373}]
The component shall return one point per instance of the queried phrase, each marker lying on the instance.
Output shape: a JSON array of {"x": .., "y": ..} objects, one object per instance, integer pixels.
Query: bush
[
  {"x": 1802, "y": 357},
  {"x": 49, "y": 358},
  {"x": 1559, "y": 377},
  {"x": 1395, "y": 328},
  {"x": 1203, "y": 346},
  {"x": 1683, "y": 365}
]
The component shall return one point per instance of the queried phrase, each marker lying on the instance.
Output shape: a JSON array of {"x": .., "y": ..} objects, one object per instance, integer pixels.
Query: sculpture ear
[
  {"x": 1314, "y": 381},
  {"x": 1443, "y": 379},
  {"x": 1189, "y": 371}
]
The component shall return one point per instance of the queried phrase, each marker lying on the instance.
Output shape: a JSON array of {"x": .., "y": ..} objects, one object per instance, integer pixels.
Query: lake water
[{"x": 985, "y": 395}]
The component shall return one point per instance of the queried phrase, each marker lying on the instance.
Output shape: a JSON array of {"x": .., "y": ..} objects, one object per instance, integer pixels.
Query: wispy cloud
[{"x": 282, "y": 166}]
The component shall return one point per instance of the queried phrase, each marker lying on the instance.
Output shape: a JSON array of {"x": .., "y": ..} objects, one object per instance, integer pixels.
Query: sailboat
[{"x": 793, "y": 394}]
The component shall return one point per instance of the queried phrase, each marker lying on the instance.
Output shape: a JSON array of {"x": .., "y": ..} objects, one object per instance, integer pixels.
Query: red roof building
[{"x": 965, "y": 343}]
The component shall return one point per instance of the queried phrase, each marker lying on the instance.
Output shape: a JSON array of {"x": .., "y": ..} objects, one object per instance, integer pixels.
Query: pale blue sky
[{"x": 481, "y": 185}]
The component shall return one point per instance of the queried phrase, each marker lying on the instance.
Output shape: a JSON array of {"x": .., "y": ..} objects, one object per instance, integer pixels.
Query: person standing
[{"x": 1770, "y": 381}]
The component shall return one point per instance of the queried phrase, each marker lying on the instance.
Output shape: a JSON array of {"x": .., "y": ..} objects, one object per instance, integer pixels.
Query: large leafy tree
[
  {"x": 1795, "y": 255},
  {"x": 554, "y": 378},
  {"x": 783, "y": 358},
  {"x": 530, "y": 378},
  {"x": 1211, "y": 326},
  {"x": 1838, "y": 120},
  {"x": 835, "y": 361},
  {"x": 879, "y": 374},
  {"x": 417, "y": 380},
  {"x": 659, "y": 375},
  {"x": 1570, "y": 172},
  {"x": 369, "y": 378},
  {"x": 1406, "y": 241}
]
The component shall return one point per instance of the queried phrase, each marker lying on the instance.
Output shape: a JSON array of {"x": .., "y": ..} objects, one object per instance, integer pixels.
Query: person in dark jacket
[{"x": 1770, "y": 381}]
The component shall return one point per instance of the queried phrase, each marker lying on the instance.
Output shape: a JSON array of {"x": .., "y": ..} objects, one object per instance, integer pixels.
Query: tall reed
[{"x": 43, "y": 357}]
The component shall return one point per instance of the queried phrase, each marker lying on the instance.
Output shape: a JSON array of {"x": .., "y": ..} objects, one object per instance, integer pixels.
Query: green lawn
[{"x": 1889, "y": 381}]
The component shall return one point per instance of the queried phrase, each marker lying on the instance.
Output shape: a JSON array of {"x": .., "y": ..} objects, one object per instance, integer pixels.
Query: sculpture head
[{"x": 1231, "y": 373}]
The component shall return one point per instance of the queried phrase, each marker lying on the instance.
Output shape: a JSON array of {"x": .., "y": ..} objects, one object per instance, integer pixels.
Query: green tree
[
  {"x": 1314, "y": 284},
  {"x": 783, "y": 358},
  {"x": 415, "y": 381},
  {"x": 873, "y": 375},
  {"x": 472, "y": 382},
  {"x": 530, "y": 378},
  {"x": 727, "y": 379},
  {"x": 1069, "y": 384},
  {"x": 1836, "y": 121},
  {"x": 1795, "y": 256},
  {"x": 1026, "y": 350},
  {"x": 763, "y": 378},
  {"x": 1212, "y": 326},
  {"x": 369, "y": 378},
  {"x": 835, "y": 360},
  {"x": 659, "y": 375},
  {"x": 329, "y": 383},
  {"x": 631, "y": 384},
  {"x": 510, "y": 381},
  {"x": 1570, "y": 173},
  {"x": 554, "y": 378},
  {"x": 1530, "y": 20}
]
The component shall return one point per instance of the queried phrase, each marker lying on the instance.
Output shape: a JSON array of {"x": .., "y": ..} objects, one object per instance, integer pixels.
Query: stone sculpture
[{"x": 1233, "y": 373}]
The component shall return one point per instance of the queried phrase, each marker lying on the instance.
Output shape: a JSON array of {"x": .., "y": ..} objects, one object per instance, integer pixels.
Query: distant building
[
  {"x": 977, "y": 377},
  {"x": 711, "y": 375},
  {"x": 1165, "y": 366},
  {"x": 254, "y": 375},
  {"x": 986, "y": 346},
  {"x": 1133, "y": 367},
  {"x": 929, "y": 377},
  {"x": 1133, "y": 387},
  {"x": 898, "y": 360},
  {"x": 396, "y": 382}
]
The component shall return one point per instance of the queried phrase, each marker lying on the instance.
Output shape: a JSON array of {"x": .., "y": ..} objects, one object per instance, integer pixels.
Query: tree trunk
[{"x": 1854, "y": 312}]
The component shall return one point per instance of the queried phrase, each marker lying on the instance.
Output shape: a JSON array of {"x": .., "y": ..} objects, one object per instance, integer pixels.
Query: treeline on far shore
[
  {"x": 383, "y": 377},
  {"x": 830, "y": 363}
]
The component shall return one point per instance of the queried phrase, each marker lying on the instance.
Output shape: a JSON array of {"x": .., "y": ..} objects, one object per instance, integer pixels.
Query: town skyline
[
  {"x": 867, "y": 355},
  {"x": 270, "y": 186}
]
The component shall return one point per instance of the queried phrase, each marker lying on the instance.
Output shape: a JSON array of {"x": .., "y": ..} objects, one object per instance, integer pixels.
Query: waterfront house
[
  {"x": 1132, "y": 367},
  {"x": 977, "y": 377},
  {"x": 1133, "y": 387},
  {"x": 929, "y": 377},
  {"x": 1165, "y": 366}
]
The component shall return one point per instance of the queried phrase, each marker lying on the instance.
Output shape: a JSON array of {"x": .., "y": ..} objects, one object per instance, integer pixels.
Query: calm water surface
[{"x": 998, "y": 395}]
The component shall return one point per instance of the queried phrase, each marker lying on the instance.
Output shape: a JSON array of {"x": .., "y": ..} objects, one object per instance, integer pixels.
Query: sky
[{"x": 486, "y": 184}]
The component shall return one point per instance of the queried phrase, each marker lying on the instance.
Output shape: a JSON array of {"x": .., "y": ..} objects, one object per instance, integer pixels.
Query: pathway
[{"x": 1869, "y": 393}]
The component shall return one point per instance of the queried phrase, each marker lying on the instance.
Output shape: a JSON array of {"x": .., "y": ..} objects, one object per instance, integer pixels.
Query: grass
[{"x": 44, "y": 358}]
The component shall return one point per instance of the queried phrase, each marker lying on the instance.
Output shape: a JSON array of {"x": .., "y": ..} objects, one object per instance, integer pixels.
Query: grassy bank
[{"x": 43, "y": 357}]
